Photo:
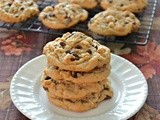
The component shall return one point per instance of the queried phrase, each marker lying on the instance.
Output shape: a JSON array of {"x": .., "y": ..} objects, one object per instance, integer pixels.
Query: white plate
[{"x": 129, "y": 87}]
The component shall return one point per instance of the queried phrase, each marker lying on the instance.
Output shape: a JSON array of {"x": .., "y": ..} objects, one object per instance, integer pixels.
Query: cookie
[
  {"x": 87, "y": 4},
  {"x": 76, "y": 52},
  {"x": 94, "y": 75},
  {"x": 62, "y": 15},
  {"x": 112, "y": 22},
  {"x": 134, "y": 6},
  {"x": 68, "y": 90},
  {"x": 88, "y": 103},
  {"x": 15, "y": 11}
]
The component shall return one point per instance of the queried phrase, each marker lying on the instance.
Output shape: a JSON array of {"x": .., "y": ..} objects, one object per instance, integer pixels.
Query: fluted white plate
[{"x": 129, "y": 87}]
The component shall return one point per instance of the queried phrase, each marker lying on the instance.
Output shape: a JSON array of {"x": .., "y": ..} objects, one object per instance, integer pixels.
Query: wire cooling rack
[{"x": 137, "y": 38}]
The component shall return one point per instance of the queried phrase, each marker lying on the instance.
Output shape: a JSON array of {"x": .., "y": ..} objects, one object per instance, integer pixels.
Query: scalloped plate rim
[{"x": 29, "y": 115}]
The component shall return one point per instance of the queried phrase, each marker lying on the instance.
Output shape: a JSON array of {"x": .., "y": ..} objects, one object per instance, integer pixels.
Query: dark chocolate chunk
[
  {"x": 96, "y": 46},
  {"x": 68, "y": 51},
  {"x": 9, "y": 4},
  {"x": 22, "y": 8},
  {"x": 46, "y": 89},
  {"x": 74, "y": 74},
  {"x": 89, "y": 51},
  {"x": 121, "y": 5},
  {"x": 47, "y": 78},
  {"x": 74, "y": 54},
  {"x": 110, "y": 1},
  {"x": 63, "y": 44},
  {"x": 51, "y": 15},
  {"x": 78, "y": 47}
]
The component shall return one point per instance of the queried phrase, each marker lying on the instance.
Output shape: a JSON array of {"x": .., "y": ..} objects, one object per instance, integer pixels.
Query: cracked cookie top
[
  {"x": 14, "y": 11},
  {"x": 62, "y": 15},
  {"x": 114, "y": 22},
  {"x": 76, "y": 52},
  {"x": 87, "y": 4},
  {"x": 134, "y": 6}
]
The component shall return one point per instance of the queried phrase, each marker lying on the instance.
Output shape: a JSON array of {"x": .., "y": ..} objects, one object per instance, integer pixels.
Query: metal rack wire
[{"x": 137, "y": 38}]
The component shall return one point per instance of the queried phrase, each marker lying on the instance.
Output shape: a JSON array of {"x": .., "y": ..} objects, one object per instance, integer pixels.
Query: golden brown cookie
[
  {"x": 62, "y": 15},
  {"x": 14, "y": 11},
  {"x": 76, "y": 52},
  {"x": 134, "y": 6},
  {"x": 88, "y": 4},
  {"x": 94, "y": 75},
  {"x": 68, "y": 90},
  {"x": 88, "y": 103},
  {"x": 112, "y": 22}
]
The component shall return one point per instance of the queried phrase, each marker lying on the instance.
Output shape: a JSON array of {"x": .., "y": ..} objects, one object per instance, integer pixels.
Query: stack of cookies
[{"x": 76, "y": 75}]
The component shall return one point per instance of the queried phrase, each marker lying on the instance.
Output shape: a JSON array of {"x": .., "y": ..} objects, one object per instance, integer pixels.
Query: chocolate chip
[
  {"x": 51, "y": 15},
  {"x": 78, "y": 47},
  {"x": 46, "y": 89},
  {"x": 47, "y": 78},
  {"x": 107, "y": 97},
  {"x": 17, "y": 16},
  {"x": 56, "y": 67},
  {"x": 127, "y": 15},
  {"x": 96, "y": 46},
  {"x": 68, "y": 51},
  {"x": 121, "y": 5},
  {"x": 52, "y": 6},
  {"x": 126, "y": 22},
  {"x": 46, "y": 16},
  {"x": 9, "y": 4},
  {"x": 22, "y": 8},
  {"x": 63, "y": 44},
  {"x": 73, "y": 59},
  {"x": 31, "y": 4},
  {"x": 74, "y": 74},
  {"x": 74, "y": 54},
  {"x": 110, "y": 1},
  {"x": 89, "y": 51},
  {"x": 134, "y": 23}
]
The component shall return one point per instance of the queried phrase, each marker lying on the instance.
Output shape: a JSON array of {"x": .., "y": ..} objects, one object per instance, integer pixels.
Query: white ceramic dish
[{"x": 129, "y": 86}]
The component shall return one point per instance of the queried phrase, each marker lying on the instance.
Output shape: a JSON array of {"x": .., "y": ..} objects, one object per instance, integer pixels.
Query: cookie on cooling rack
[
  {"x": 134, "y": 6},
  {"x": 62, "y": 15},
  {"x": 87, "y": 4},
  {"x": 112, "y": 22},
  {"x": 76, "y": 52},
  {"x": 15, "y": 11}
]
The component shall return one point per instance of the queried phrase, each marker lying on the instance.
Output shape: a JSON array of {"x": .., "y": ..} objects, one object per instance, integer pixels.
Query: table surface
[{"x": 28, "y": 45}]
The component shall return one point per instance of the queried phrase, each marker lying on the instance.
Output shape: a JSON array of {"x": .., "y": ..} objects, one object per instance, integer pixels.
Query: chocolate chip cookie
[
  {"x": 15, "y": 11},
  {"x": 134, "y": 6},
  {"x": 62, "y": 15},
  {"x": 89, "y": 102},
  {"x": 76, "y": 52},
  {"x": 113, "y": 22},
  {"x": 87, "y": 4},
  {"x": 94, "y": 75},
  {"x": 69, "y": 90}
]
